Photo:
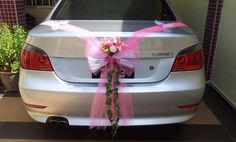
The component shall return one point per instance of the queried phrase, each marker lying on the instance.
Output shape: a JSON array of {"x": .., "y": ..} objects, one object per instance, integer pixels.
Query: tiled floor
[{"x": 215, "y": 121}]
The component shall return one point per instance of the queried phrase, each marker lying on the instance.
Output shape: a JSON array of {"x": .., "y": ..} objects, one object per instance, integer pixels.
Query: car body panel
[{"x": 152, "y": 101}]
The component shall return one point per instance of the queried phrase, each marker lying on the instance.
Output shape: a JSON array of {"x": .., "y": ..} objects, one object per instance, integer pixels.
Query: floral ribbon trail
[{"x": 114, "y": 59}]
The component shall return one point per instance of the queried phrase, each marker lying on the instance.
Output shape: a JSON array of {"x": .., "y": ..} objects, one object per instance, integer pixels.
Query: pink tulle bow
[{"x": 97, "y": 60}]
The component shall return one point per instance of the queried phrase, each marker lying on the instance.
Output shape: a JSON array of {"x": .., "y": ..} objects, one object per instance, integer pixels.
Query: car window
[{"x": 113, "y": 10}]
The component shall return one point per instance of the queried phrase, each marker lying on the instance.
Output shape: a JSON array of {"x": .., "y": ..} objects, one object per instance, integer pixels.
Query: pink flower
[
  {"x": 119, "y": 42},
  {"x": 108, "y": 44}
]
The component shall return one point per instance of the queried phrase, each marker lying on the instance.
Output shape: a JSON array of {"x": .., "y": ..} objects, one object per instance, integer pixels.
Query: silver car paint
[{"x": 154, "y": 103}]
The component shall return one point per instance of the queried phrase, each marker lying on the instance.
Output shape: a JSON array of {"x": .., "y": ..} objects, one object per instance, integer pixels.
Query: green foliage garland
[{"x": 113, "y": 95}]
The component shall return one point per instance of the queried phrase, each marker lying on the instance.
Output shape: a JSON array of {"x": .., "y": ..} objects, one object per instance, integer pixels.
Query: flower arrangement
[{"x": 111, "y": 46}]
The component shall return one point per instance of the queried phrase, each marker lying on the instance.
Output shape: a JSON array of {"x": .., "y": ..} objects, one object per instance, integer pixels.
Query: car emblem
[{"x": 162, "y": 54}]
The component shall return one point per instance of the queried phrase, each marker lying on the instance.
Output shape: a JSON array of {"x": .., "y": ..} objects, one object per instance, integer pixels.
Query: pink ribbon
[{"x": 97, "y": 60}]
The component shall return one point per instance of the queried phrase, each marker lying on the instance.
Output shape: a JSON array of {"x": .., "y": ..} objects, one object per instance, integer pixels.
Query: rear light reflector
[
  {"x": 189, "y": 106},
  {"x": 35, "y": 106},
  {"x": 33, "y": 58},
  {"x": 188, "y": 62}
]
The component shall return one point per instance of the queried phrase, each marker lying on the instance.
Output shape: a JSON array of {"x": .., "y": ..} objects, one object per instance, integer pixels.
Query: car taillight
[
  {"x": 33, "y": 58},
  {"x": 189, "y": 60}
]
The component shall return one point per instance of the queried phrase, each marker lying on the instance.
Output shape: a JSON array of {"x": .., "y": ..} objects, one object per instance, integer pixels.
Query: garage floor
[{"x": 215, "y": 121}]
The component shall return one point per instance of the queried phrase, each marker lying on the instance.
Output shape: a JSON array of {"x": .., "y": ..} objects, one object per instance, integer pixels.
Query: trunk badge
[
  {"x": 151, "y": 68},
  {"x": 163, "y": 54}
]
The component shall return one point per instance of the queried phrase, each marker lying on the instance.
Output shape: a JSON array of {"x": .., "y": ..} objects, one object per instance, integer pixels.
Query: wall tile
[
  {"x": 211, "y": 33},
  {"x": 12, "y": 12}
]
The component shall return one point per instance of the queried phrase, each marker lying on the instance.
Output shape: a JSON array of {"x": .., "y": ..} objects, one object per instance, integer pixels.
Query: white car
[{"x": 57, "y": 85}]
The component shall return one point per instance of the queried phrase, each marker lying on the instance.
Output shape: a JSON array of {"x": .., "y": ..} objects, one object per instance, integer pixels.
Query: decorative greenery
[
  {"x": 111, "y": 46},
  {"x": 113, "y": 97},
  {"x": 11, "y": 42}
]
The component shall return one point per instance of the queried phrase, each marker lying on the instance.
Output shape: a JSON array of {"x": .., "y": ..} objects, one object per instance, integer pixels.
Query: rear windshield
[{"x": 113, "y": 10}]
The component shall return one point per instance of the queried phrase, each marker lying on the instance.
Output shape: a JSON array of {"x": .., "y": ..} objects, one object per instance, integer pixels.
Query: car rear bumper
[{"x": 154, "y": 103}]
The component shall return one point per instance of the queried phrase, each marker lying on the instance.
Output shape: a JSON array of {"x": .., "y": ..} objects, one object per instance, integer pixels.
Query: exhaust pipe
[{"x": 57, "y": 120}]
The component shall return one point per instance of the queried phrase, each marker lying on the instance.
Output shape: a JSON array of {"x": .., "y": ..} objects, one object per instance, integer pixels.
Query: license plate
[{"x": 125, "y": 77}]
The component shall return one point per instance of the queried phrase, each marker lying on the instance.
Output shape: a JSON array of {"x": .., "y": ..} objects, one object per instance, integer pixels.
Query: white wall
[
  {"x": 193, "y": 13},
  {"x": 224, "y": 68}
]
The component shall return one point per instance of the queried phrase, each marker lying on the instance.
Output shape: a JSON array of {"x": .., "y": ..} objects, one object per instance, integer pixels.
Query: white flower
[
  {"x": 119, "y": 48},
  {"x": 59, "y": 25},
  {"x": 114, "y": 40},
  {"x": 113, "y": 49},
  {"x": 55, "y": 28}
]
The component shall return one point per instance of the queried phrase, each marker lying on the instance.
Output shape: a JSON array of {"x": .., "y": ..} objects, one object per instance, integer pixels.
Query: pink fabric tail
[
  {"x": 139, "y": 35},
  {"x": 98, "y": 115}
]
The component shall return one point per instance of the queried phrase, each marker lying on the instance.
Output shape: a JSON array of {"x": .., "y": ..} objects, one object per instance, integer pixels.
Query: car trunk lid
[{"x": 67, "y": 52}]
